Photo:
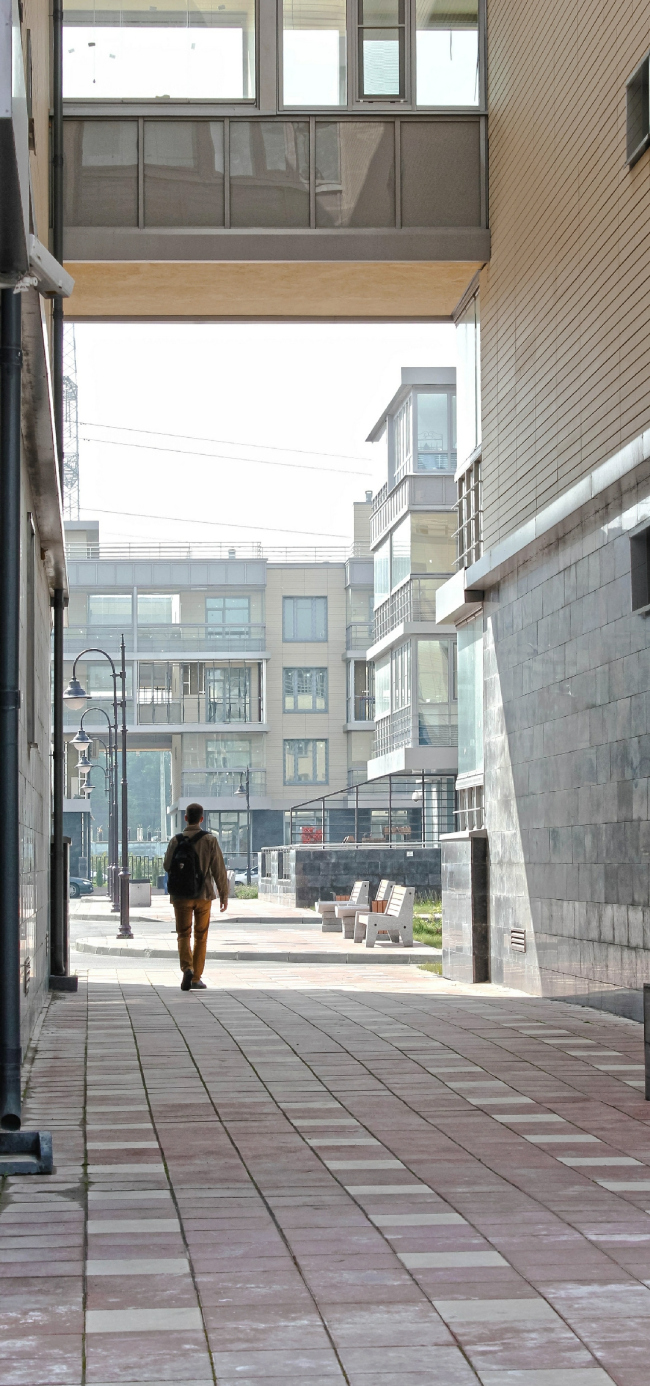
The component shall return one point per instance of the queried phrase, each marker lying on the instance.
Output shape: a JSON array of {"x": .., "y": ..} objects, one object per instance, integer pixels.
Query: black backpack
[{"x": 185, "y": 877}]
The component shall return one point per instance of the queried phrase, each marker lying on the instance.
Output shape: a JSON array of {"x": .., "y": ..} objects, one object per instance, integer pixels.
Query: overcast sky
[{"x": 251, "y": 397}]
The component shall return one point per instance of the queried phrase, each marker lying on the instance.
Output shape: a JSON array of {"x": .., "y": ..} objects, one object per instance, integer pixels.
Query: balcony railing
[
  {"x": 414, "y": 601},
  {"x": 358, "y": 635},
  {"x": 248, "y": 637},
  {"x": 393, "y": 732},
  {"x": 156, "y": 707},
  {"x": 221, "y": 784},
  {"x": 417, "y": 491}
]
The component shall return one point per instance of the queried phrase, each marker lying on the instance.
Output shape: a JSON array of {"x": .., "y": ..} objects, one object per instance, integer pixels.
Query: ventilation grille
[{"x": 518, "y": 940}]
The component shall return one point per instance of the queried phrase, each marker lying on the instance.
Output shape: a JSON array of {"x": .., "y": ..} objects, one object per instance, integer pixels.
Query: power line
[
  {"x": 218, "y": 524},
  {"x": 223, "y": 456},
  {"x": 227, "y": 442}
]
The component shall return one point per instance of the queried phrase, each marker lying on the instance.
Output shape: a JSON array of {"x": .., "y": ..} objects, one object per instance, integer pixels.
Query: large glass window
[
  {"x": 314, "y": 60},
  {"x": 158, "y": 609},
  {"x": 468, "y": 342},
  {"x": 269, "y": 173},
  {"x": 382, "y": 573},
  {"x": 100, "y": 187},
  {"x": 99, "y": 681},
  {"x": 401, "y": 677},
  {"x": 225, "y": 753},
  {"x": 228, "y": 693},
  {"x": 233, "y": 613},
  {"x": 470, "y": 697},
  {"x": 436, "y": 414},
  {"x": 403, "y": 436},
  {"x": 447, "y": 53},
  {"x": 382, "y": 47},
  {"x": 305, "y": 690},
  {"x": 304, "y": 618},
  {"x": 111, "y": 610},
  {"x": 433, "y": 542},
  {"x": 400, "y": 552},
  {"x": 201, "y": 49},
  {"x": 355, "y": 173},
  {"x": 305, "y": 762},
  {"x": 382, "y": 687},
  {"x": 183, "y": 173},
  {"x": 437, "y": 713}
]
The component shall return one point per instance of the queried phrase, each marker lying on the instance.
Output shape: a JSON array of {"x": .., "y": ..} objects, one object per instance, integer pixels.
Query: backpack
[{"x": 185, "y": 877}]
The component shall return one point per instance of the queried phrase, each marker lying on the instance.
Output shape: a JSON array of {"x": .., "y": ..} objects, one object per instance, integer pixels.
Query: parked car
[
  {"x": 240, "y": 878},
  {"x": 80, "y": 886}
]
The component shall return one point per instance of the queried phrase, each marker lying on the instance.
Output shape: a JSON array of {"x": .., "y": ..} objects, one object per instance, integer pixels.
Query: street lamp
[
  {"x": 83, "y": 740},
  {"x": 240, "y": 793},
  {"x": 75, "y": 696}
]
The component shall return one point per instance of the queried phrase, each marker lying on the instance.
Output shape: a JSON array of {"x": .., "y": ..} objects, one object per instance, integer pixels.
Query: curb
[{"x": 405, "y": 957}]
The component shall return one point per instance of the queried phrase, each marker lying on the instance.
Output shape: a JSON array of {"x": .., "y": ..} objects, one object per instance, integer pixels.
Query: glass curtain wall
[
  {"x": 178, "y": 49},
  {"x": 468, "y": 341},
  {"x": 470, "y": 697},
  {"x": 314, "y": 53}
]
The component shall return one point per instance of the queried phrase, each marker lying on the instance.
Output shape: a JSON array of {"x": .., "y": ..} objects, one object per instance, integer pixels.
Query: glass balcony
[
  {"x": 414, "y": 601},
  {"x": 220, "y": 784},
  {"x": 245, "y": 637},
  {"x": 358, "y": 635},
  {"x": 361, "y": 708},
  {"x": 155, "y": 707}
]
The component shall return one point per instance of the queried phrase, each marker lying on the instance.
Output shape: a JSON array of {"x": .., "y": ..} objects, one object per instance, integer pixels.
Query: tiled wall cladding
[
  {"x": 567, "y": 765},
  {"x": 317, "y": 873}
]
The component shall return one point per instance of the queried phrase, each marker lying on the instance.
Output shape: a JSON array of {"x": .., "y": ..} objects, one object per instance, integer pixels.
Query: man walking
[{"x": 196, "y": 875}]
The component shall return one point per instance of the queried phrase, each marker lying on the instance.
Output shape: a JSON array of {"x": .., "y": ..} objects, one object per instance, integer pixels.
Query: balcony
[
  {"x": 157, "y": 708},
  {"x": 414, "y": 601},
  {"x": 361, "y": 708},
  {"x": 358, "y": 636},
  {"x": 418, "y": 491},
  {"x": 183, "y": 638},
  {"x": 220, "y": 784}
]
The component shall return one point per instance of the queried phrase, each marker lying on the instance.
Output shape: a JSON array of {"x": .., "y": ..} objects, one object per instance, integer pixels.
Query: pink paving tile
[
  {"x": 276, "y": 1328},
  {"x": 41, "y": 1359},
  {"x": 173, "y": 1357}
]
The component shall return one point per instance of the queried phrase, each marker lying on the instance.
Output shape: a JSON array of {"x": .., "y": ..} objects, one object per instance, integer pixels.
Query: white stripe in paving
[
  {"x": 557, "y": 1140},
  {"x": 598, "y": 1160},
  {"x": 117, "y": 1171},
  {"x": 528, "y": 1116},
  {"x": 381, "y": 1189},
  {"x": 495, "y": 1310},
  {"x": 548, "y": 1376},
  {"x": 364, "y": 1164},
  {"x": 123, "y": 1145},
  {"x": 167, "y": 1320},
  {"x": 112, "y": 1227},
  {"x": 416, "y": 1219},
  {"x": 170, "y": 1265},
  {"x": 446, "y": 1260},
  {"x": 121, "y": 1195},
  {"x": 625, "y": 1185}
]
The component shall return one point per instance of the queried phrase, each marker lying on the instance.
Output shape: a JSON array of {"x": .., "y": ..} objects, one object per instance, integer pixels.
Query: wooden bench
[
  {"x": 384, "y": 893},
  {"x": 397, "y": 922},
  {"x": 328, "y": 909}
]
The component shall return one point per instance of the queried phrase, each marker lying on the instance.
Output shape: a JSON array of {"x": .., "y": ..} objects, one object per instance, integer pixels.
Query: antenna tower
[{"x": 70, "y": 426}]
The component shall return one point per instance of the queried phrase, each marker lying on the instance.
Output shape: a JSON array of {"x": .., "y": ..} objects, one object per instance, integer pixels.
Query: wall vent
[{"x": 518, "y": 940}]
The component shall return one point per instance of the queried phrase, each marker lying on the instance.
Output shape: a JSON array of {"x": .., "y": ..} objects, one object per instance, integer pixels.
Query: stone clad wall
[
  {"x": 567, "y": 763},
  {"x": 322, "y": 873}
]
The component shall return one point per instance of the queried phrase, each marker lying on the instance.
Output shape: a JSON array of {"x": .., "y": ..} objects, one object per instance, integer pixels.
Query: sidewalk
[
  {"x": 305, "y": 1176},
  {"x": 249, "y": 931}
]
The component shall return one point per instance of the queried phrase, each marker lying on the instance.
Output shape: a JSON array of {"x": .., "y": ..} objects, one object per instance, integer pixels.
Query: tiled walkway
[{"x": 299, "y": 1180}]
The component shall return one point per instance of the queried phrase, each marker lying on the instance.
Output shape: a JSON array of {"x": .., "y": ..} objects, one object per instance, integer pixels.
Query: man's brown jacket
[{"x": 208, "y": 851}]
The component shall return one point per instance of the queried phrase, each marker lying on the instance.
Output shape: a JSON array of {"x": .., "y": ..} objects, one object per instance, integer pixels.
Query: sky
[{"x": 226, "y": 433}]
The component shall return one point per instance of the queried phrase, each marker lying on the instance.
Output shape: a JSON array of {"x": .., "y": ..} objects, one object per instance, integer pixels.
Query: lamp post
[
  {"x": 82, "y": 740},
  {"x": 246, "y": 778},
  {"x": 108, "y": 790},
  {"x": 75, "y": 696}
]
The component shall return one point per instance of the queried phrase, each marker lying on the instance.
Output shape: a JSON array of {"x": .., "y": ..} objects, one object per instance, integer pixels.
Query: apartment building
[
  {"x": 413, "y": 526},
  {"x": 548, "y": 877},
  {"x": 238, "y": 660}
]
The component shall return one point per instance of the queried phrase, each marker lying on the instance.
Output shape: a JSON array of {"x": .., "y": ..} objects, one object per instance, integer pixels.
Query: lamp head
[
  {"x": 240, "y": 793},
  {"x": 74, "y": 695},
  {"x": 83, "y": 763},
  {"x": 81, "y": 740}
]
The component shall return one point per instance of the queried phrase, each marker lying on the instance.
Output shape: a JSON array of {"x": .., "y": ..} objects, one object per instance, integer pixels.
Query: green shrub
[
  {"x": 246, "y": 892},
  {"x": 431, "y": 967},
  {"x": 425, "y": 932},
  {"x": 99, "y": 877}
]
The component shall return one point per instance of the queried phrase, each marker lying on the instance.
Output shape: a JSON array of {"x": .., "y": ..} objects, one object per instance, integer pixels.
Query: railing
[
  {"x": 77, "y": 638},
  {"x": 156, "y": 708},
  {"x": 417, "y": 490},
  {"x": 170, "y": 553},
  {"x": 398, "y": 809},
  {"x": 221, "y": 784},
  {"x": 415, "y": 600},
  {"x": 358, "y": 635},
  {"x": 361, "y": 708},
  {"x": 205, "y": 637}
]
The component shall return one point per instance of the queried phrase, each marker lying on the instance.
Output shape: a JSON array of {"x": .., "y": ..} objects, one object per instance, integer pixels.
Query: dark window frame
[{"x": 637, "y": 90}]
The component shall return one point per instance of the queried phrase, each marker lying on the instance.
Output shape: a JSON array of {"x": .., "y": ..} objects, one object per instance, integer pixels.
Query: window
[
  {"x": 433, "y": 542},
  {"x": 304, "y": 618},
  {"x": 437, "y": 718},
  {"x": 183, "y": 173},
  {"x": 158, "y": 609},
  {"x": 382, "y": 573},
  {"x": 231, "y": 829},
  {"x": 305, "y": 762},
  {"x": 436, "y": 425},
  {"x": 401, "y": 677},
  {"x": 382, "y": 46},
  {"x": 447, "y": 69},
  {"x": 269, "y": 173},
  {"x": 640, "y": 569},
  {"x": 470, "y": 697},
  {"x": 361, "y": 691},
  {"x": 468, "y": 342},
  {"x": 114, "y": 610},
  {"x": 97, "y": 679},
  {"x": 470, "y": 516},
  {"x": 101, "y": 163},
  {"x": 227, "y": 694},
  {"x": 638, "y": 112},
  {"x": 400, "y": 543},
  {"x": 314, "y": 57},
  {"x": 403, "y": 435},
  {"x": 230, "y": 612},
  {"x": 200, "y": 49},
  {"x": 382, "y": 687},
  {"x": 305, "y": 690},
  {"x": 224, "y": 753}
]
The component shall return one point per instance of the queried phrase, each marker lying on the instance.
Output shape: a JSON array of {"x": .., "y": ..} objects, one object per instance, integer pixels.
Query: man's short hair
[{"x": 194, "y": 813}]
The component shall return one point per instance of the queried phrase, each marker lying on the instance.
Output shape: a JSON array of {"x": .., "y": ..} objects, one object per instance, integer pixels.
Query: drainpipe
[
  {"x": 10, "y": 393},
  {"x": 58, "y": 906},
  {"x": 57, "y": 220}
]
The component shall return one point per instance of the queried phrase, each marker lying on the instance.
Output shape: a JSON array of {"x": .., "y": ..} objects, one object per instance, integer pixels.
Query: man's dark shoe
[
  {"x": 187, "y": 979},
  {"x": 200, "y": 986}
]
